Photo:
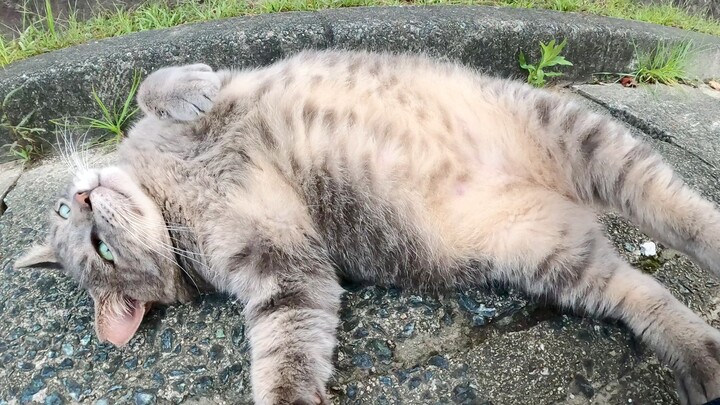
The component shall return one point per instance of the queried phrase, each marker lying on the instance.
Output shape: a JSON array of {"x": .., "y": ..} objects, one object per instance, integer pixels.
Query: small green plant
[
  {"x": 566, "y": 5},
  {"x": 114, "y": 118},
  {"x": 666, "y": 64},
  {"x": 549, "y": 57},
  {"x": 26, "y": 145}
]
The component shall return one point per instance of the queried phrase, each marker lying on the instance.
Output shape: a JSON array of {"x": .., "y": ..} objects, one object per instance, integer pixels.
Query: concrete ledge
[{"x": 59, "y": 84}]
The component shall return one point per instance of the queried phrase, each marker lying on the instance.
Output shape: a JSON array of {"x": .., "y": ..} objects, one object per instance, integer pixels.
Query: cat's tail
[{"x": 607, "y": 167}]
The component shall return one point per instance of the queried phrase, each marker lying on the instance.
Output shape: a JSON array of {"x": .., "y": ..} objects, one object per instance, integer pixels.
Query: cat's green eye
[
  {"x": 64, "y": 211},
  {"x": 104, "y": 251}
]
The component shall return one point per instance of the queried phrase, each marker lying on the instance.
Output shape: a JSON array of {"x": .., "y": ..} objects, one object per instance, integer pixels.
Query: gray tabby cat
[{"x": 269, "y": 184}]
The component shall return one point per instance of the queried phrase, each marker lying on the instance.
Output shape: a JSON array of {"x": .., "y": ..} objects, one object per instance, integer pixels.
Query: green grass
[
  {"x": 48, "y": 32},
  {"x": 114, "y": 118},
  {"x": 666, "y": 64},
  {"x": 26, "y": 145}
]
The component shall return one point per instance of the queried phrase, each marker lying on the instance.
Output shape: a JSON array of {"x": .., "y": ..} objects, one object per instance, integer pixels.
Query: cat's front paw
[
  {"x": 182, "y": 93},
  {"x": 700, "y": 381}
]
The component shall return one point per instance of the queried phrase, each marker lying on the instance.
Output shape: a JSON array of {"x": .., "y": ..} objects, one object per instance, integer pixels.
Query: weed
[
  {"x": 26, "y": 145},
  {"x": 549, "y": 57},
  {"x": 566, "y": 5},
  {"x": 666, "y": 64},
  {"x": 114, "y": 118}
]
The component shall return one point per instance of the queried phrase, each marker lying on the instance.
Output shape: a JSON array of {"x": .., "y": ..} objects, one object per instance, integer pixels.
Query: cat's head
[{"x": 111, "y": 238}]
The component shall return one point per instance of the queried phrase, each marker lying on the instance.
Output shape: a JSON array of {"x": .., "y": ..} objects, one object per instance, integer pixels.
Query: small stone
[
  {"x": 66, "y": 364},
  {"x": 25, "y": 366},
  {"x": 102, "y": 401},
  {"x": 485, "y": 311},
  {"x": 144, "y": 398},
  {"x": 385, "y": 380},
  {"x": 85, "y": 340},
  {"x": 648, "y": 249},
  {"x": 362, "y": 361},
  {"x": 463, "y": 393},
  {"x": 351, "y": 391},
  {"x": 150, "y": 361},
  {"x": 36, "y": 384},
  {"x": 467, "y": 303},
  {"x": 238, "y": 335},
  {"x": 67, "y": 349},
  {"x": 414, "y": 382},
  {"x": 380, "y": 349},
  {"x": 408, "y": 329},
  {"x": 166, "y": 339},
  {"x": 583, "y": 386},
  {"x": 478, "y": 320},
  {"x": 669, "y": 254},
  {"x": 202, "y": 385},
  {"x": 220, "y": 334},
  {"x": 54, "y": 399},
  {"x": 360, "y": 333},
  {"x": 176, "y": 373},
  {"x": 47, "y": 372},
  {"x": 629, "y": 247},
  {"x": 216, "y": 352},
  {"x": 438, "y": 361},
  {"x": 158, "y": 379},
  {"x": 194, "y": 350},
  {"x": 131, "y": 363},
  {"x": 74, "y": 389}
]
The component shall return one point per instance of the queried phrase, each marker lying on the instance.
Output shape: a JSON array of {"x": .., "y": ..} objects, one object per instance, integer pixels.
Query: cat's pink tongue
[{"x": 119, "y": 329}]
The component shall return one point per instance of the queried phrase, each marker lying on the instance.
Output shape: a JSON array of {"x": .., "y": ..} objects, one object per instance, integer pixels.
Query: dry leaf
[
  {"x": 628, "y": 81},
  {"x": 714, "y": 84}
]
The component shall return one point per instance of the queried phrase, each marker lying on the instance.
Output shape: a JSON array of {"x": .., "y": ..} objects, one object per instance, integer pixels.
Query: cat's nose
[{"x": 83, "y": 198}]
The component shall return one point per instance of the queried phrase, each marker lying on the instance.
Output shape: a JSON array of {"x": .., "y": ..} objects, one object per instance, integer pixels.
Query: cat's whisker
[
  {"x": 168, "y": 225},
  {"x": 140, "y": 240}
]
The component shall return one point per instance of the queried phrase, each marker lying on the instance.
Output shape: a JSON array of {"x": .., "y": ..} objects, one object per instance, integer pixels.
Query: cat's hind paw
[{"x": 182, "y": 93}]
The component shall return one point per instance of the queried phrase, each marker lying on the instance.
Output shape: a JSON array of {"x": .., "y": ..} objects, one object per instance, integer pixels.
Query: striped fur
[{"x": 402, "y": 170}]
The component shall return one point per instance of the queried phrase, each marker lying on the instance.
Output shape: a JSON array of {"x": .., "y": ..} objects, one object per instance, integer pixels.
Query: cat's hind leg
[{"x": 550, "y": 247}]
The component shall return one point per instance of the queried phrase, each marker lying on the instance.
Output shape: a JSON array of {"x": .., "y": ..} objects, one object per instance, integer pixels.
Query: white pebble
[{"x": 648, "y": 249}]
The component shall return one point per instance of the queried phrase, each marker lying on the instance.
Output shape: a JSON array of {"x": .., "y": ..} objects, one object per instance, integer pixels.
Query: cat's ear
[
  {"x": 117, "y": 318},
  {"x": 39, "y": 256}
]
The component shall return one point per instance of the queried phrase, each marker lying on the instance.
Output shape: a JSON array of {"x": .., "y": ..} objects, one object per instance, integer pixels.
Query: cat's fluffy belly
[{"x": 269, "y": 183}]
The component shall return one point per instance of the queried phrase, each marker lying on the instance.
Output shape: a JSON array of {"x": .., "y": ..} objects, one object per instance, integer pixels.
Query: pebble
[
  {"x": 362, "y": 361},
  {"x": 131, "y": 363},
  {"x": 438, "y": 361},
  {"x": 47, "y": 372},
  {"x": 54, "y": 399},
  {"x": 85, "y": 340},
  {"x": 74, "y": 389},
  {"x": 166, "y": 339},
  {"x": 463, "y": 393},
  {"x": 380, "y": 349},
  {"x": 68, "y": 349},
  {"x": 216, "y": 352},
  {"x": 648, "y": 249},
  {"x": 409, "y": 329},
  {"x": 220, "y": 334},
  {"x": 351, "y": 391},
  {"x": 66, "y": 364},
  {"x": 144, "y": 398},
  {"x": 202, "y": 385}
]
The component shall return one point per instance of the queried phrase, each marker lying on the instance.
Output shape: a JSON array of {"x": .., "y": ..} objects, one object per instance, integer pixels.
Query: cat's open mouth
[{"x": 123, "y": 321}]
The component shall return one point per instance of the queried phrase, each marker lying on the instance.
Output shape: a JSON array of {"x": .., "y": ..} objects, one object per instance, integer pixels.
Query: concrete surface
[
  {"x": 59, "y": 84},
  {"x": 395, "y": 347}
]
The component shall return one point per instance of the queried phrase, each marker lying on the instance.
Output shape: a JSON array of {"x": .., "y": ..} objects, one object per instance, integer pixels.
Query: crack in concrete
[{"x": 645, "y": 126}]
